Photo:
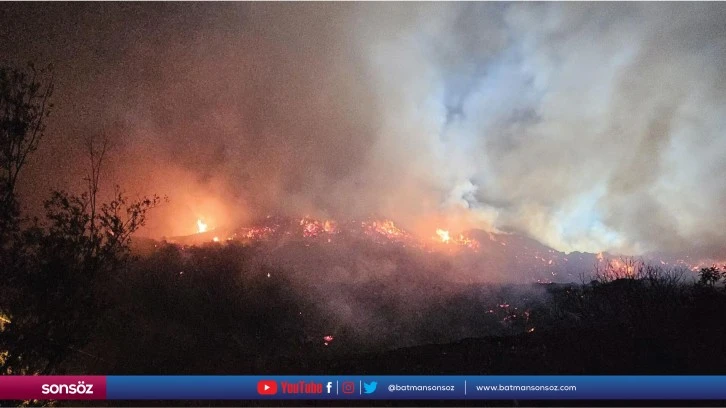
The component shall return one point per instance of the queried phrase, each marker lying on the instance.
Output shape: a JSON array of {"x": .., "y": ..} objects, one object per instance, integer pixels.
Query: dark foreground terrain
[
  {"x": 221, "y": 309},
  {"x": 234, "y": 308},
  {"x": 217, "y": 310}
]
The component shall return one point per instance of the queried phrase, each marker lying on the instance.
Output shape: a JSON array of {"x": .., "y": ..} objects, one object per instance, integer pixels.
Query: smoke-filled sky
[{"x": 587, "y": 126}]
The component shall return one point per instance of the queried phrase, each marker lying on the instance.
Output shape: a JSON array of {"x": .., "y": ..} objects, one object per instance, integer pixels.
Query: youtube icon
[{"x": 267, "y": 387}]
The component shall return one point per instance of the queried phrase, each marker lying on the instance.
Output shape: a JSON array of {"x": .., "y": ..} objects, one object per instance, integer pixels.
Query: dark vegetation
[
  {"x": 75, "y": 299},
  {"x": 56, "y": 271},
  {"x": 644, "y": 321}
]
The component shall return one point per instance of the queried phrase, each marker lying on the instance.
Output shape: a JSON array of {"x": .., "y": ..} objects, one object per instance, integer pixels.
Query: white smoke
[{"x": 590, "y": 127}]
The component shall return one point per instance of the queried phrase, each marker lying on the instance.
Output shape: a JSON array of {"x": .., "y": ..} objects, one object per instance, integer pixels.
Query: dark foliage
[
  {"x": 56, "y": 271},
  {"x": 648, "y": 322},
  {"x": 58, "y": 288},
  {"x": 213, "y": 309},
  {"x": 24, "y": 105},
  {"x": 710, "y": 276}
]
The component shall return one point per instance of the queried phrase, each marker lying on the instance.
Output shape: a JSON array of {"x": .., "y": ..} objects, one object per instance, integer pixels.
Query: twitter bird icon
[{"x": 369, "y": 388}]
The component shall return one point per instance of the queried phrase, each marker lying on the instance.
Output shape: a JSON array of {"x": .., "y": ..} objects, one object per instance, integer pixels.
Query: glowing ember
[
  {"x": 327, "y": 339},
  {"x": 471, "y": 243},
  {"x": 201, "y": 226},
  {"x": 215, "y": 239},
  {"x": 313, "y": 228},
  {"x": 330, "y": 227},
  {"x": 257, "y": 233},
  {"x": 445, "y": 237},
  {"x": 387, "y": 229}
]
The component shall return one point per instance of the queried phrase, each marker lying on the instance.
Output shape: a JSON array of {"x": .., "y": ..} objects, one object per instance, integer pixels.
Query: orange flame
[
  {"x": 201, "y": 226},
  {"x": 443, "y": 235}
]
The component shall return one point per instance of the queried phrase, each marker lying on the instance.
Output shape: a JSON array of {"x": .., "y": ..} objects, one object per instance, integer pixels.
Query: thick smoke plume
[{"x": 587, "y": 126}]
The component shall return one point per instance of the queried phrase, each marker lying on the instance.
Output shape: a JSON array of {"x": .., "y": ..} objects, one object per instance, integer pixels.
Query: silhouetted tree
[
  {"x": 710, "y": 276},
  {"x": 62, "y": 277},
  {"x": 24, "y": 106}
]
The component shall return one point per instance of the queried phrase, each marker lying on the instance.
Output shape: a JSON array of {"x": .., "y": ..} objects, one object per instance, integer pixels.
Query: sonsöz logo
[{"x": 67, "y": 389}]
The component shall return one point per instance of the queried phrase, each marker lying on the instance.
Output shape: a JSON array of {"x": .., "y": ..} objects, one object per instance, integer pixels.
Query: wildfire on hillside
[
  {"x": 313, "y": 228},
  {"x": 383, "y": 231},
  {"x": 387, "y": 232}
]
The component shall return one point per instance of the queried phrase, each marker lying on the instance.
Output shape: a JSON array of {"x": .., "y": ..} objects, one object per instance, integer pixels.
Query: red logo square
[{"x": 267, "y": 387}]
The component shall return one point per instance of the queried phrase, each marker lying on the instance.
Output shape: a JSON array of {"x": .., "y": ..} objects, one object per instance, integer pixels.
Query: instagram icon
[{"x": 348, "y": 387}]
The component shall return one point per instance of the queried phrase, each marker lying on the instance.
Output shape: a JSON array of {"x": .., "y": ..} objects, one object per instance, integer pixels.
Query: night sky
[{"x": 587, "y": 126}]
